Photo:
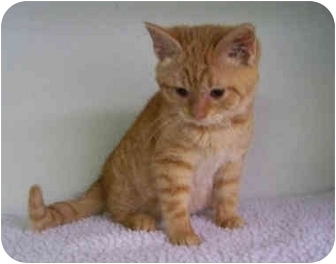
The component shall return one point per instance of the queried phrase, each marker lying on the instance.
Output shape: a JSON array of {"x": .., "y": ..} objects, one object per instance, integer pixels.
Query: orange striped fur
[{"x": 186, "y": 149}]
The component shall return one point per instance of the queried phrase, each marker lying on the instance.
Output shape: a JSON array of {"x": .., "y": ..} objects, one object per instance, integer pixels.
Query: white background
[{"x": 74, "y": 76}]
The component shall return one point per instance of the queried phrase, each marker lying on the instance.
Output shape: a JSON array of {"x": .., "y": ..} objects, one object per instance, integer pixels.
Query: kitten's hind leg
[{"x": 43, "y": 217}]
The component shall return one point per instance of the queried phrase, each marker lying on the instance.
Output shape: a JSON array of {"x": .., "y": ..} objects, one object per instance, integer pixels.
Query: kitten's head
[{"x": 206, "y": 73}]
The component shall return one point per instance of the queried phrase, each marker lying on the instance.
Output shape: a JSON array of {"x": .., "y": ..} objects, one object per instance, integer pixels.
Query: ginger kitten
[{"x": 185, "y": 151}]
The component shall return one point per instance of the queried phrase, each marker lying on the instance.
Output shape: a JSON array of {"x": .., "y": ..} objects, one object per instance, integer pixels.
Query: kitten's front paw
[
  {"x": 140, "y": 221},
  {"x": 231, "y": 222},
  {"x": 185, "y": 239}
]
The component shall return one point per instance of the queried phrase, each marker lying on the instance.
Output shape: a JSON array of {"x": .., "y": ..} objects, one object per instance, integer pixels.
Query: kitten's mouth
[{"x": 203, "y": 122}]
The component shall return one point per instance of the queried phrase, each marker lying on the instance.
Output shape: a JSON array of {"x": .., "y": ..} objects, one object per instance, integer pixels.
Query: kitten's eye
[
  {"x": 182, "y": 91},
  {"x": 217, "y": 93}
]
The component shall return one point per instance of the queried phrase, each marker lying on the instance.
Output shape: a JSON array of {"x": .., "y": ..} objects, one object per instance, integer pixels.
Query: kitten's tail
[{"x": 43, "y": 217}]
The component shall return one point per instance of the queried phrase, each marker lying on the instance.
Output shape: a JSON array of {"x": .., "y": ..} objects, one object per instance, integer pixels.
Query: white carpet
[{"x": 297, "y": 229}]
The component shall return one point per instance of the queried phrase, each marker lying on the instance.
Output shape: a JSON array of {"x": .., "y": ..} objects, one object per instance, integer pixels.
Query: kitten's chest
[{"x": 203, "y": 179}]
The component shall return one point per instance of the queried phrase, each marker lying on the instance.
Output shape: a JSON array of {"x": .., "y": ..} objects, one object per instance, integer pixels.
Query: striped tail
[{"x": 43, "y": 217}]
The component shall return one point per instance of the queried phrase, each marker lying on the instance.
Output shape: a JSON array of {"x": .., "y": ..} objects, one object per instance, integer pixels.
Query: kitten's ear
[
  {"x": 239, "y": 45},
  {"x": 165, "y": 46}
]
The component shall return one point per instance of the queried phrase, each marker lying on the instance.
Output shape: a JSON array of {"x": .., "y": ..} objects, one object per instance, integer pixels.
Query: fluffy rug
[{"x": 295, "y": 229}]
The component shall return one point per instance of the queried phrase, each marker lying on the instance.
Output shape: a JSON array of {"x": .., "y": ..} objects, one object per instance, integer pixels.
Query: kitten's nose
[
  {"x": 200, "y": 108},
  {"x": 199, "y": 114}
]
